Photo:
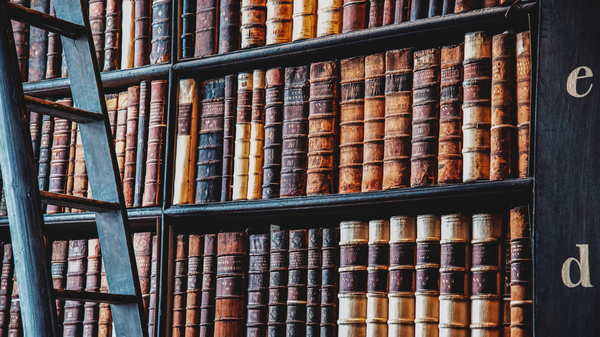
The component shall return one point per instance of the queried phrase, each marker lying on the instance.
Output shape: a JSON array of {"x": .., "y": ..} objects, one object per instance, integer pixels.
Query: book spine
[
  {"x": 229, "y": 25},
  {"x": 257, "y": 136},
  {"x": 273, "y": 132},
  {"x": 53, "y": 60},
  {"x": 329, "y": 17},
  {"x": 38, "y": 44},
  {"x": 322, "y": 127},
  {"x": 398, "y": 117},
  {"x": 490, "y": 3},
  {"x": 418, "y": 9},
  {"x": 450, "y": 139},
  {"x": 80, "y": 178},
  {"x": 523, "y": 52},
  {"x": 71, "y": 165},
  {"x": 60, "y": 158},
  {"x": 278, "y": 281},
  {"x": 142, "y": 33},
  {"x": 467, "y": 5},
  {"x": 304, "y": 18},
  {"x": 111, "y": 107},
  {"x": 354, "y": 15},
  {"x": 76, "y": 267},
  {"x": 279, "y": 21},
  {"x": 329, "y": 281},
  {"x": 180, "y": 286},
  {"x": 313, "y": 283},
  {"x": 377, "y": 283},
  {"x": 142, "y": 248},
  {"x": 374, "y": 128},
  {"x": 21, "y": 38},
  {"x": 295, "y": 321},
  {"x": 253, "y": 24},
  {"x": 156, "y": 134},
  {"x": 521, "y": 284},
  {"x": 6, "y": 277},
  {"x": 206, "y": 27},
  {"x": 376, "y": 13},
  {"x": 194, "y": 285},
  {"x": 121, "y": 133},
  {"x": 104, "y": 315},
  {"x": 389, "y": 12},
  {"x": 258, "y": 286},
  {"x": 35, "y": 122},
  {"x": 133, "y": 108},
  {"x": 161, "y": 32},
  {"x": 209, "y": 271},
  {"x": 402, "y": 11},
  {"x": 45, "y": 150},
  {"x": 15, "y": 325},
  {"x": 152, "y": 312},
  {"x": 186, "y": 143},
  {"x": 506, "y": 289},
  {"x": 188, "y": 28},
  {"x": 435, "y": 8},
  {"x": 427, "y": 305},
  {"x": 97, "y": 15},
  {"x": 112, "y": 35},
  {"x": 448, "y": 7},
  {"x": 58, "y": 269},
  {"x": 127, "y": 33},
  {"x": 242, "y": 136},
  {"x": 92, "y": 284},
  {"x": 228, "y": 136},
  {"x": 142, "y": 141}
]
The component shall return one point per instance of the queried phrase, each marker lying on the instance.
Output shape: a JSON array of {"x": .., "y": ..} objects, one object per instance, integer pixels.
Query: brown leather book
[
  {"x": 142, "y": 33},
  {"x": 35, "y": 124},
  {"x": 184, "y": 181},
  {"x": 58, "y": 269},
  {"x": 258, "y": 286},
  {"x": 92, "y": 284},
  {"x": 279, "y": 21},
  {"x": 355, "y": 15},
  {"x": 206, "y": 27},
  {"x": 398, "y": 116},
  {"x": 506, "y": 278},
  {"x": 60, "y": 157},
  {"x": 228, "y": 136},
  {"x": 313, "y": 283},
  {"x": 374, "y": 128},
  {"x": 490, "y": 3},
  {"x": 467, "y": 5},
  {"x": 133, "y": 106},
  {"x": 156, "y": 134},
  {"x": 6, "y": 288},
  {"x": 15, "y": 326},
  {"x": 278, "y": 281},
  {"x": 273, "y": 130},
  {"x": 523, "y": 51},
  {"x": 402, "y": 11},
  {"x": 254, "y": 17},
  {"x": 229, "y": 25},
  {"x": 180, "y": 286},
  {"x": 121, "y": 132},
  {"x": 376, "y": 13},
  {"x": 161, "y": 32},
  {"x": 111, "y": 107},
  {"x": 38, "y": 44},
  {"x": 389, "y": 12},
  {"x": 231, "y": 279},
  {"x": 329, "y": 281},
  {"x": 80, "y": 178},
  {"x": 426, "y": 114},
  {"x": 209, "y": 272},
  {"x": 21, "y": 38},
  {"x": 352, "y": 116},
  {"x": 71, "y": 165},
  {"x": 377, "y": 282},
  {"x": 152, "y": 312},
  {"x": 257, "y": 136},
  {"x": 242, "y": 136},
  {"x": 427, "y": 276},
  {"x": 521, "y": 284},
  {"x": 127, "y": 33},
  {"x": 418, "y": 9},
  {"x": 329, "y": 17},
  {"x": 45, "y": 152},
  {"x": 54, "y": 59},
  {"x": 450, "y": 139},
  {"x": 322, "y": 127},
  {"x": 142, "y": 248},
  {"x": 194, "y": 285},
  {"x": 97, "y": 12},
  {"x": 304, "y": 19},
  {"x": 105, "y": 315},
  {"x": 142, "y": 143},
  {"x": 295, "y": 320},
  {"x": 76, "y": 267},
  {"x": 112, "y": 36}
]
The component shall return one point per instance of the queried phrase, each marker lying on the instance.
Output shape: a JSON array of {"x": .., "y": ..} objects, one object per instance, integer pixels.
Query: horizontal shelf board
[{"x": 134, "y": 214}]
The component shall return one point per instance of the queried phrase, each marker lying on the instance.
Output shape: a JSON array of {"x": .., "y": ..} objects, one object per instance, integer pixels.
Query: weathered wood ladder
[{"x": 23, "y": 197}]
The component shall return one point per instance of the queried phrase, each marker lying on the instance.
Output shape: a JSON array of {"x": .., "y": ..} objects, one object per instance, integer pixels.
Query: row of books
[
  {"x": 453, "y": 275},
  {"x": 453, "y": 114}
]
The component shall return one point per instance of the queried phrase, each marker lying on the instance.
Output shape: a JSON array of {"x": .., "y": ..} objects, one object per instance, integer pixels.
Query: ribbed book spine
[
  {"x": 377, "y": 283},
  {"x": 279, "y": 21},
  {"x": 142, "y": 248},
  {"x": 156, "y": 133},
  {"x": 329, "y": 17},
  {"x": 38, "y": 44},
  {"x": 185, "y": 153},
  {"x": 295, "y": 322},
  {"x": 194, "y": 285},
  {"x": 209, "y": 272},
  {"x": 15, "y": 325},
  {"x": 228, "y": 136},
  {"x": 60, "y": 158},
  {"x": 105, "y": 315},
  {"x": 112, "y": 35},
  {"x": 6, "y": 277},
  {"x": 330, "y": 258},
  {"x": 152, "y": 312},
  {"x": 71, "y": 165},
  {"x": 273, "y": 129},
  {"x": 92, "y": 284},
  {"x": 427, "y": 305},
  {"x": 76, "y": 267},
  {"x": 206, "y": 27},
  {"x": 160, "y": 48},
  {"x": 258, "y": 286},
  {"x": 229, "y": 25},
  {"x": 133, "y": 111},
  {"x": 355, "y": 15},
  {"x": 142, "y": 142},
  {"x": 58, "y": 269},
  {"x": 180, "y": 286},
  {"x": 254, "y": 17},
  {"x": 257, "y": 136},
  {"x": 304, "y": 19},
  {"x": 188, "y": 23},
  {"x": 121, "y": 131},
  {"x": 45, "y": 153},
  {"x": 35, "y": 124},
  {"x": 374, "y": 128},
  {"x": 142, "y": 33},
  {"x": 523, "y": 55},
  {"x": 127, "y": 33},
  {"x": 242, "y": 136},
  {"x": 80, "y": 178},
  {"x": 278, "y": 281},
  {"x": 313, "y": 283},
  {"x": 21, "y": 38},
  {"x": 53, "y": 60},
  {"x": 521, "y": 284}
]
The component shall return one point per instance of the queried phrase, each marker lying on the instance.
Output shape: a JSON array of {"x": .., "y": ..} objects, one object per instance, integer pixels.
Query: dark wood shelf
[{"x": 134, "y": 214}]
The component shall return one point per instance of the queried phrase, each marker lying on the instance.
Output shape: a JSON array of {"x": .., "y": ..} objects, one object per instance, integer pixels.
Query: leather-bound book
[
  {"x": 209, "y": 272},
  {"x": 375, "y": 13},
  {"x": 523, "y": 51},
  {"x": 389, "y": 12},
  {"x": 467, "y": 5},
  {"x": 92, "y": 284},
  {"x": 279, "y": 21},
  {"x": 273, "y": 130},
  {"x": 278, "y": 281},
  {"x": 105, "y": 315},
  {"x": 38, "y": 44},
  {"x": 194, "y": 285},
  {"x": 425, "y": 119},
  {"x": 53, "y": 59},
  {"x": 352, "y": 116},
  {"x": 160, "y": 50},
  {"x": 188, "y": 28},
  {"x": 486, "y": 275},
  {"x": 112, "y": 35},
  {"x": 454, "y": 276},
  {"x": 58, "y": 269},
  {"x": 97, "y": 12},
  {"x": 448, "y": 7},
  {"x": 152, "y": 312},
  {"x": 184, "y": 182},
  {"x": 477, "y": 106},
  {"x": 71, "y": 165},
  {"x": 254, "y": 17},
  {"x": 180, "y": 286},
  {"x": 142, "y": 142},
  {"x": 210, "y": 141},
  {"x": 304, "y": 20},
  {"x": 418, "y": 9},
  {"x": 398, "y": 117},
  {"x": 60, "y": 157},
  {"x": 450, "y": 137},
  {"x": 258, "y": 286},
  {"x": 21, "y": 38},
  {"x": 329, "y": 17},
  {"x": 206, "y": 27},
  {"x": 352, "y": 315},
  {"x": 231, "y": 280},
  {"x": 15, "y": 325},
  {"x": 377, "y": 283},
  {"x": 45, "y": 152},
  {"x": 129, "y": 167},
  {"x": 355, "y": 15},
  {"x": 295, "y": 132},
  {"x": 142, "y": 33},
  {"x": 521, "y": 284},
  {"x": 435, "y": 8},
  {"x": 330, "y": 258},
  {"x": 121, "y": 131},
  {"x": 313, "y": 283},
  {"x": 80, "y": 178},
  {"x": 5, "y": 288},
  {"x": 111, "y": 107},
  {"x": 257, "y": 136},
  {"x": 142, "y": 248},
  {"x": 322, "y": 127},
  {"x": 490, "y": 3},
  {"x": 229, "y": 25},
  {"x": 76, "y": 267},
  {"x": 401, "y": 313},
  {"x": 506, "y": 277},
  {"x": 35, "y": 124},
  {"x": 402, "y": 11},
  {"x": 295, "y": 322},
  {"x": 228, "y": 136},
  {"x": 242, "y": 136},
  {"x": 127, "y": 33},
  {"x": 374, "y": 129},
  {"x": 156, "y": 134},
  {"x": 427, "y": 305}
]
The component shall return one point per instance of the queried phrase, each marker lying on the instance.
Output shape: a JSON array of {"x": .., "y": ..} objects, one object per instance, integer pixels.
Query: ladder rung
[
  {"x": 61, "y": 111},
  {"x": 45, "y": 21},
  {"x": 77, "y": 202},
  {"x": 87, "y": 296}
]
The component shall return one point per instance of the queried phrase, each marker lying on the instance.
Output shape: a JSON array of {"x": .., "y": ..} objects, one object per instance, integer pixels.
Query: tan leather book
[
  {"x": 80, "y": 178},
  {"x": 71, "y": 166},
  {"x": 254, "y": 17},
  {"x": 257, "y": 136},
  {"x": 427, "y": 305},
  {"x": 523, "y": 51},
  {"x": 92, "y": 284},
  {"x": 194, "y": 285},
  {"x": 355, "y": 15},
  {"x": 377, "y": 283},
  {"x": 184, "y": 181},
  {"x": 372, "y": 175},
  {"x": 121, "y": 131},
  {"x": 127, "y": 33},
  {"x": 243, "y": 127},
  {"x": 329, "y": 17},
  {"x": 111, "y": 107},
  {"x": 133, "y": 109},
  {"x": 156, "y": 135},
  {"x": 521, "y": 284},
  {"x": 279, "y": 21},
  {"x": 304, "y": 18}
]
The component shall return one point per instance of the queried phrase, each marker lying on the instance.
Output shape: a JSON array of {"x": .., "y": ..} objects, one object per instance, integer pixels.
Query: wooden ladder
[{"x": 23, "y": 198}]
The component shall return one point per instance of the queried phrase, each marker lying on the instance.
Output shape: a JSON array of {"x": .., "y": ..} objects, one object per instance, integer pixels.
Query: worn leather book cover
[
  {"x": 228, "y": 136},
  {"x": 112, "y": 35},
  {"x": 105, "y": 315},
  {"x": 278, "y": 281},
  {"x": 194, "y": 285},
  {"x": 209, "y": 272},
  {"x": 523, "y": 52},
  {"x": 273, "y": 131},
  {"x": 402, "y": 11},
  {"x": 80, "y": 178},
  {"x": 92, "y": 284},
  {"x": 6, "y": 277},
  {"x": 322, "y": 127},
  {"x": 142, "y": 33},
  {"x": 467, "y": 5},
  {"x": 71, "y": 165},
  {"x": 418, "y": 9},
  {"x": 45, "y": 152},
  {"x": 76, "y": 277},
  {"x": 521, "y": 284},
  {"x": 374, "y": 127},
  {"x": 111, "y": 107},
  {"x": 60, "y": 157},
  {"x": 160, "y": 50},
  {"x": 97, "y": 16},
  {"x": 242, "y": 136},
  {"x": 304, "y": 19},
  {"x": 477, "y": 106},
  {"x": 229, "y": 25},
  {"x": 127, "y": 33},
  {"x": 279, "y": 21},
  {"x": 329, "y": 281},
  {"x": 398, "y": 117},
  {"x": 377, "y": 282},
  {"x": 15, "y": 325},
  {"x": 258, "y": 286},
  {"x": 206, "y": 27},
  {"x": 35, "y": 124},
  {"x": 156, "y": 134},
  {"x": 295, "y": 320},
  {"x": 490, "y": 3},
  {"x": 313, "y": 283},
  {"x": 184, "y": 181},
  {"x": 180, "y": 286},
  {"x": 58, "y": 270},
  {"x": 21, "y": 38},
  {"x": 254, "y": 17},
  {"x": 142, "y": 248},
  {"x": 257, "y": 136},
  {"x": 355, "y": 15},
  {"x": 188, "y": 28},
  {"x": 448, "y": 7},
  {"x": 38, "y": 44},
  {"x": 121, "y": 131},
  {"x": 450, "y": 136},
  {"x": 152, "y": 313},
  {"x": 142, "y": 142},
  {"x": 329, "y": 17},
  {"x": 506, "y": 278},
  {"x": 435, "y": 8},
  {"x": 389, "y": 12},
  {"x": 53, "y": 58},
  {"x": 375, "y": 13},
  {"x": 427, "y": 276},
  {"x": 295, "y": 132},
  {"x": 133, "y": 108}
]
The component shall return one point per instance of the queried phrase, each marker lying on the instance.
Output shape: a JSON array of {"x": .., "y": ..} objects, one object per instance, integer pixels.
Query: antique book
[
  {"x": 401, "y": 313},
  {"x": 105, "y": 315},
  {"x": 257, "y": 136},
  {"x": 352, "y": 115},
  {"x": 80, "y": 178},
  {"x": 279, "y": 21},
  {"x": 231, "y": 277},
  {"x": 477, "y": 106},
  {"x": 253, "y": 24},
  {"x": 450, "y": 136},
  {"x": 21, "y": 38},
  {"x": 76, "y": 277},
  {"x": 71, "y": 166},
  {"x": 15, "y": 325},
  {"x": 402, "y": 11},
  {"x": 142, "y": 33},
  {"x": 329, "y": 17},
  {"x": 152, "y": 312},
  {"x": 35, "y": 124},
  {"x": 184, "y": 170},
  {"x": 142, "y": 248},
  {"x": 156, "y": 133},
  {"x": 506, "y": 277},
  {"x": 295, "y": 132},
  {"x": 521, "y": 283},
  {"x": 329, "y": 281},
  {"x": 322, "y": 128},
  {"x": 206, "y": 27},
  {"x": 127, "y": 33},
  {"x": 374, "y": 128},
  {"x": 53, "y": 58},
  {"x": 377, "y": 282},
  {"x": 142, "y": 141},
  {"x": 209, "y": 272},
  {"x": 60, "y": 157},
  {"x": 111, "y": 107},
  {"x": 295, "y": 321},
  {"x": 92, "y": 284},
  {"x": 273, "y": 131},
  {"x": 210, "y": 141},
  {"x": 121, "y": 131},
  {"x": 228, "y": 136},
  {"x": 180, "y": 286},
  {"x": 97, "y": 15},
  {"x": 355, "y": 15},
  {"x": 58, "y": 269},
  {"x": 6, "y": 277},
  {"x": 490, "y": 3},
  {"x": 467, "y": 5},
  {"x": 418, "y": 9},
  {"x": 454, "y": 276},
  {"x": 304, "y": 19},
  {"x": 375, "y": 13},
  {"x": 160, "y": 49},
  {"x": 435, "y": 8},
  {"x": 486, "y": 274},
  {"x": 112, "y": 35},
  {"x": 278, "y": 281},
  {"x": 352, "y": 296},
  {"x": 425, "y": 119},
  {"x": 427, "y": 305},
  {"x": 389, "y": 12},
  {"x": 129, "y": 167},
  {"x": 448, "y": 7},
  {"x": 258, "y": 286},
  {"x": 194, "y": 285},
  {"x": 523, "y": 60},
  {"x": 38, "y": 44},
  {"x": 229, "y": 25},
  {"x": 188, "y": 28},
  {"x": 313, "y": 282},
  {"x": 242, "y": 136},
  {"x": 398, "y": 117}
]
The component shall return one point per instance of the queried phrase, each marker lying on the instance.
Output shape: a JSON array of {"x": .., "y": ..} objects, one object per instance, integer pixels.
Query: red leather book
[
  {"x": 131, "y": 146},
  {"x": 156, "y": 134},
  {"x": 180, "y": 286},
  {"x": 21, "y": 36},
  {"x": 194, "y": 285}
]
